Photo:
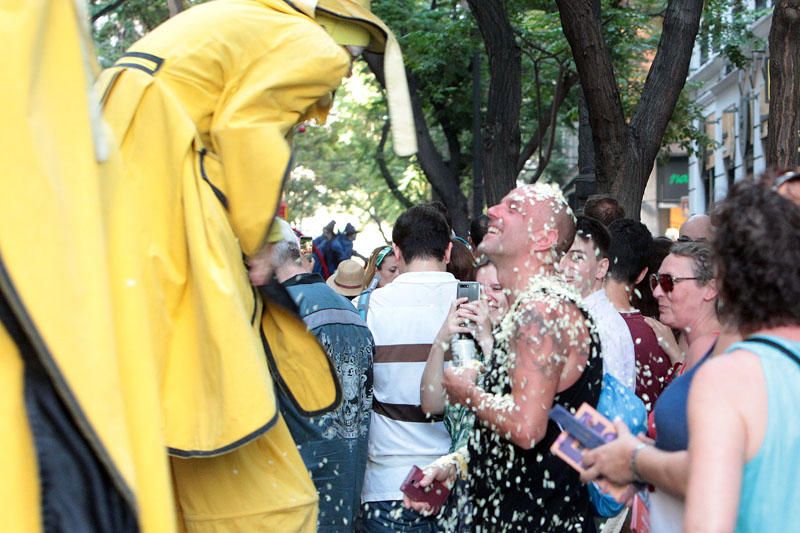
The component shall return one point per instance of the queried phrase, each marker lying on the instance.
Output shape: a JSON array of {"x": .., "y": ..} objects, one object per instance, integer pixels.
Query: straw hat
[
  {"x": 347, "y": 278},
  {"x": 382, "y": 41}
]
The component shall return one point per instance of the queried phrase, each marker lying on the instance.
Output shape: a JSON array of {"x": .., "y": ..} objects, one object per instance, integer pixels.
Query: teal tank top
[{"x": 770, "y": 497}]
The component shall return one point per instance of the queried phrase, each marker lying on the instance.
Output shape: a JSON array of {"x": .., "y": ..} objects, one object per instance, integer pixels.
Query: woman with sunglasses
[
  {"x": 686, "y": 292},
  {"x": 381, "y": 268},
  {"x": 784, "y": 182}
]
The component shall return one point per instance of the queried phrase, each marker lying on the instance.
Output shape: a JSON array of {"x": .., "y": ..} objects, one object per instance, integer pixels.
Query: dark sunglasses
[
  {"x": 666, "y": 281},
  {"x": 789, "y": 176}
]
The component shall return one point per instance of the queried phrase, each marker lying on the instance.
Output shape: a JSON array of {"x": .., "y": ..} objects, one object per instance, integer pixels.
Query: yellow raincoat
[
  {"x": 54, "y": 273},
  {"x": 130, "y": 286},
  {"x": 201, "y": 108}
]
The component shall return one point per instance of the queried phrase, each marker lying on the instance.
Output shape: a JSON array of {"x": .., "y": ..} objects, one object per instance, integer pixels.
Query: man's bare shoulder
[
  {"x": 550, "y": 330},
  {"x": 551, "y": 314}
]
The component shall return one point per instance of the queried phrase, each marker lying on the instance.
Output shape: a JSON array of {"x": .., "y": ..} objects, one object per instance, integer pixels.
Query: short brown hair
[{"x": 604, "y": 208}]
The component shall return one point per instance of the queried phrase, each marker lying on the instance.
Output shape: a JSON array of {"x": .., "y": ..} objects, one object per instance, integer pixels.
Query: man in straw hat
[
  {"x": 202, "y": 108},
  {"x": 348, "y": 278}
]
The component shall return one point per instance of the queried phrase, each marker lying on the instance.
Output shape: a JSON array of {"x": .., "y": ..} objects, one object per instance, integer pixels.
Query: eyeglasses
[
  {"x": 783, "y": 178},
  {"x": 666, "y": 281}
]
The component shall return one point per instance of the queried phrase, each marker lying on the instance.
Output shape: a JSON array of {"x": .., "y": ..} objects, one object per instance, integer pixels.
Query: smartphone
[
  {"x": 471, "y": 290},
  {"x": 435, "y": 494}
]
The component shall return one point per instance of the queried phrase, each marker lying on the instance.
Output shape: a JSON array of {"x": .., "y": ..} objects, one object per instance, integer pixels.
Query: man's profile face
[
  {"x": 508, "y": 229},
  {"x": 581, "y": 265}
]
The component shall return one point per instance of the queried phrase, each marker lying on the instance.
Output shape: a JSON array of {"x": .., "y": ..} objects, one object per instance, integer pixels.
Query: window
[
  {"x": 708, "y": 186},
  {"x": 729, "y": 133},
  {"x": 711, "y": 132},
  {"x": 763, "y": 100}
]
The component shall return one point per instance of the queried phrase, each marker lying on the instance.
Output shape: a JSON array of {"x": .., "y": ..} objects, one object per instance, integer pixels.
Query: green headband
[{"x": 382, "y": 255}]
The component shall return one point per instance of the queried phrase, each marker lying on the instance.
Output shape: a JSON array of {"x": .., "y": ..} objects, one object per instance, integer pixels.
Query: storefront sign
[{"x": 673, "y": 180}]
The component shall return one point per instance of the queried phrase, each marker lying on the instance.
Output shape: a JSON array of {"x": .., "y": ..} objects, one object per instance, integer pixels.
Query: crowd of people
[{"x": 560, "y": 312}]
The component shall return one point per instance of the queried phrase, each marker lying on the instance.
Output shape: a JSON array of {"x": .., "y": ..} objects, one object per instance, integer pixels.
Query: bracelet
[
  {"x": 461, "y": 464},
  {"x": 634, "y": 471},
  {"x": 458, "y": 460}
]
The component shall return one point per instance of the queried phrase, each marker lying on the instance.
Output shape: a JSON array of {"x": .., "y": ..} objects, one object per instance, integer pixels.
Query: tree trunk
[
  {"x": 443, "y": 177},
  {"x": 585, "y": 141},
  {"x": 501, "y": 139},
  {"x": 175, "y": 7},
  {"x": 784, "y": 81},
  {"x": 478, "y": 195},
  {"x": 625, "y": 153}
]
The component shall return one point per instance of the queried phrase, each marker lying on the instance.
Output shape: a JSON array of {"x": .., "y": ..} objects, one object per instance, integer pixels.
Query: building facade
[{"x": 735, "y": 105}]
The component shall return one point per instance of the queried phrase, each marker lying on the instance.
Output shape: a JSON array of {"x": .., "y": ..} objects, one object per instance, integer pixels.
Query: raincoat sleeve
[{"x": 290, "y": 81}]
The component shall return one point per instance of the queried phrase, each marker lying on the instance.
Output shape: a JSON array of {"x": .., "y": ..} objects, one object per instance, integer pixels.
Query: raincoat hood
[{"x": 383, "y": 41}]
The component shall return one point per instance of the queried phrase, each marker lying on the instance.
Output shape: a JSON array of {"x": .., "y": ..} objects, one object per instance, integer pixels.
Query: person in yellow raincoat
[
  {"x": 82, "y": 443},
  {"x": 201, "y": 108}
]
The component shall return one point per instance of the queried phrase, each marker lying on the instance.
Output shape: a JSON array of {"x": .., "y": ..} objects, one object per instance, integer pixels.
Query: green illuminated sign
[{"x": 678, "y": 179}]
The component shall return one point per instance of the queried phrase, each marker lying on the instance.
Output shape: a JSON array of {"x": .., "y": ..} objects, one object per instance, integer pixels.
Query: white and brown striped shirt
[{"x": 404, "y": 318}]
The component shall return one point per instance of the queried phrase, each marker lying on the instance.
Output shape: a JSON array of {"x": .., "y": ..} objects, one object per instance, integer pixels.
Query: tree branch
[
  {"x": 667, "y": 75},
  {"x": 564, "y": 84},
  {"x": 451, "y": 135},
  {"x": 380, "y": 157},
  {"x": 784, "y": 77},
  {"x": 625, "y": 155},
  {"x": 555, "y": 56},
  {"x": 430, "y": 159},
  {"x": 501, "y": 130},
  {"x": 107, "y": 9},
  {"x": 175, "y": 7},
  {"x": 443, "y": 182},
  {"x": 598, "y": 81},
  {"x": 372, "y": 214},
  {"x": 545, "y": 160}
]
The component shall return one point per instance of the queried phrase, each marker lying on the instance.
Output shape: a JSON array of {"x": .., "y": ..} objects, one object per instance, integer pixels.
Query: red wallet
[{"x": 435, "y": 494}]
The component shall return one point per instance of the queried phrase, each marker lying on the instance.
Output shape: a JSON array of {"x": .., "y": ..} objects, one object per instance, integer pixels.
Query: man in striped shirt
[{"x": 404, "y": 318}]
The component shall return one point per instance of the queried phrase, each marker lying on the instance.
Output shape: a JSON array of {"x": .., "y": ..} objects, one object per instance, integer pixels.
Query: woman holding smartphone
[{"x": 474, "y": 318}]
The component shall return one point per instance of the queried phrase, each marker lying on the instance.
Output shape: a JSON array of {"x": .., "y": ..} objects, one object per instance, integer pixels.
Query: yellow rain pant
[{"x": 264, "y": 483}]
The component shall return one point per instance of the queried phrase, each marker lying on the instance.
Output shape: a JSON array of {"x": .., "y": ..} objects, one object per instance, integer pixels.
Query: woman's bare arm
[{"x": 717, "y": 449}]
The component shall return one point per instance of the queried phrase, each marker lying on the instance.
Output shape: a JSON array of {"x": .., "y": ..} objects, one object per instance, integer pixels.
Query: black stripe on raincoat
[
  {"x": 187, "y": 454},
  {"x": 140, "y": 55},
  {"x": 217, "y": 192}
]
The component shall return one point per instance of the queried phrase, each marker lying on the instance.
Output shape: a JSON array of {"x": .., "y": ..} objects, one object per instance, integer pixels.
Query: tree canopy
[{"x": 495, "y": 93}]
